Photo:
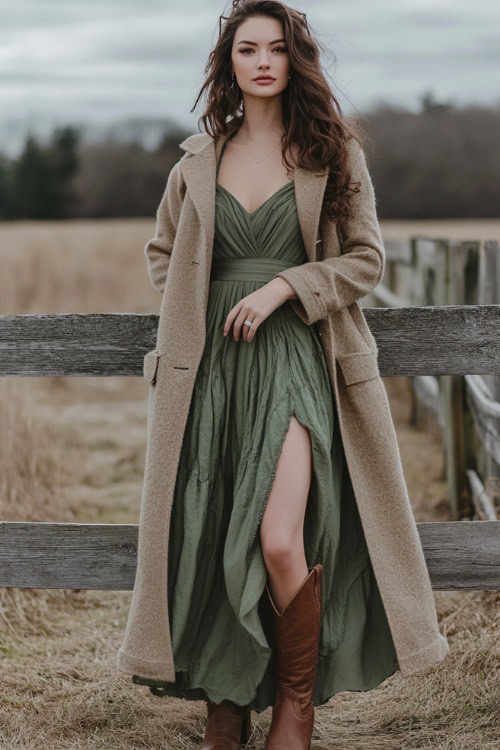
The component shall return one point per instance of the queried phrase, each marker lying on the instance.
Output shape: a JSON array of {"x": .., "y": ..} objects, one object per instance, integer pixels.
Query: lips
[{"x": 265, "y": 78}]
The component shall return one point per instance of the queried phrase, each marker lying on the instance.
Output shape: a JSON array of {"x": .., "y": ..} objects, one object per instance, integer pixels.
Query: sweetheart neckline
[{"x": 252, "y": 213}]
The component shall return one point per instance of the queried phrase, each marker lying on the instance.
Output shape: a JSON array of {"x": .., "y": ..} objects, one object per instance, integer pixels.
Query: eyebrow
[{"x": 246, "y": 41}]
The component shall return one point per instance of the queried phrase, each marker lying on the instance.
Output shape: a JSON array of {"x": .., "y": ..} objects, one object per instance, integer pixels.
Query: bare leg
[{"x": 282, "y": 525}]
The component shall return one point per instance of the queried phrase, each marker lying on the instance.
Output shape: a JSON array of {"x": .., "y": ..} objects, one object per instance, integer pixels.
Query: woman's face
[{"x": 259, "y": 49}]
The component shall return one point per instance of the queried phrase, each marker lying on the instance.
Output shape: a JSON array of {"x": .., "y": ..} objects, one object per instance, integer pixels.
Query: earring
[{"x": 233, "y": 80}]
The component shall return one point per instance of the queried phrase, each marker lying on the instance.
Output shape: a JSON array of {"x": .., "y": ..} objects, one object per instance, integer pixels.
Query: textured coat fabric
[{"x": 341, "y": 268}]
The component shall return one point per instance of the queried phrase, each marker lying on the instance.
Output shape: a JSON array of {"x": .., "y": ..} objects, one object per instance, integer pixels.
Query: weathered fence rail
[
  {"x": 462, "y": 555},
  {"x": 411, "y": 340},
  {"x": 423, "y": 341},
  {"x": 425, "y": 271}
]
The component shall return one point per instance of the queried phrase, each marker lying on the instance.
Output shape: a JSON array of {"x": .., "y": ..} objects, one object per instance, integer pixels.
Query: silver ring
[{"x": 247, "y": 323}]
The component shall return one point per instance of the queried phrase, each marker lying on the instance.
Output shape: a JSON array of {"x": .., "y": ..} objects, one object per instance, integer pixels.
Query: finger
[
  {"x": 238, "y": 325},
  {"x": 251, "y": 331},
  {"x": 245, "y": 329},
  {"x": 227, "y": 324},
  {"x": 230, "y": 317}
]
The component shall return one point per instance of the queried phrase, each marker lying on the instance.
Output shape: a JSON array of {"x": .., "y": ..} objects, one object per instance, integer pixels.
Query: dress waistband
[{"x": 247, "y": 269}]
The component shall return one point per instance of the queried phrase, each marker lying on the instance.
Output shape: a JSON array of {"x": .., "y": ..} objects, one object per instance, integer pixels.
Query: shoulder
[
  {"x": 355, "y": 151},
  {"x": 190, "y": 145},
  {"x": 357, "y": 163},
  {"x": 195, "y": 143}
]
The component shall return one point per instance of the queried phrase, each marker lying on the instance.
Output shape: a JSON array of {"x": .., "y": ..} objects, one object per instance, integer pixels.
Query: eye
[{"x": 249, "y": 49}]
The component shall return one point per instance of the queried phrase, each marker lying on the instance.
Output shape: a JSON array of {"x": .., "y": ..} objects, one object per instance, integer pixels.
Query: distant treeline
[
  {"x": 39, "y": 184},
  {"x": 442, "y": 162}
]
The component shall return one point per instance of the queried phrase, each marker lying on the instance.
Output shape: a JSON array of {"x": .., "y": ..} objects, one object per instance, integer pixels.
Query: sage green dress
[{"x": 244, "y": 397}]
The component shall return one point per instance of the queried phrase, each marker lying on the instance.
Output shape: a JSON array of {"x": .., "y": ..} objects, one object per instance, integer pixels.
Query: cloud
[{"x": 113, "y": 58}]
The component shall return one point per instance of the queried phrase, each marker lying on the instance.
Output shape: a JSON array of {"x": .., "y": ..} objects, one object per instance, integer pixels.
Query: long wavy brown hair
[{"x": 312, "y": 116}]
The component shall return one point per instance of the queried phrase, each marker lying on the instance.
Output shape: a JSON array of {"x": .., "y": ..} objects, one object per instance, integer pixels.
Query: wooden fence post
[
  {"x": 489, "y": 294},
  {"x": 456, "y": 285}
]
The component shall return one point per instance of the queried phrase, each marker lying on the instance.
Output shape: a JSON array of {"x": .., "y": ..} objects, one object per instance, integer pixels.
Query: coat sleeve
[
  {"x": 322, "y": 287},
  {"x": 158, "y": 249}
]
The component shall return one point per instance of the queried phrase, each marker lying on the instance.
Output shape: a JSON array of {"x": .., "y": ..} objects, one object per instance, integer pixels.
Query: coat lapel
[{"x": 199, "y": 172}]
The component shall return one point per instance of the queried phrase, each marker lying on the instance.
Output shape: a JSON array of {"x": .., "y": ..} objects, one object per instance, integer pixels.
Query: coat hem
[
  {"x": 425, "y": 658},
  {"x": 154, "y": 670}
]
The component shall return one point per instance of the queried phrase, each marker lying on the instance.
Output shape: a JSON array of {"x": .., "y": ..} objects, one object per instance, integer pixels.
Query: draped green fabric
[{"x": 244, "y": 397}]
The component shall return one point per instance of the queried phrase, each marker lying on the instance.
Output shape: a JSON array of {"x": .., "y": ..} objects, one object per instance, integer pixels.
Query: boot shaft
[{"x": 297, "y": 634}]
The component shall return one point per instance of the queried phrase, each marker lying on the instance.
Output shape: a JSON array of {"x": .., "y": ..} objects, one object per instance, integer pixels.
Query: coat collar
[{"x": 199, "y": 172}]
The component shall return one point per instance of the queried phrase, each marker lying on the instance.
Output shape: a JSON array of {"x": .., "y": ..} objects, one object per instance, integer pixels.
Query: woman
[{"x": 272, "y": 595}]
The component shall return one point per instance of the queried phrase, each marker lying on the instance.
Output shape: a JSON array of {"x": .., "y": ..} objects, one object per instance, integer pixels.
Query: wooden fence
[
  {"x": 418, "y": 341},
  {"x": 466, "y": 406}
]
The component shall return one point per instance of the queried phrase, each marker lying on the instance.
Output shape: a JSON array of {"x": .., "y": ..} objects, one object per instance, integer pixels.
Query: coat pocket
[
  {"x": 150, "y": 366},
  {"x": 359, "y": 320},
  {"x": 359, "y": 366}
]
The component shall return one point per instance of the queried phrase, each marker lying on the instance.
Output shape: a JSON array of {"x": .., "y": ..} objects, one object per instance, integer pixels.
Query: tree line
[{"x": 441, "y": 162}]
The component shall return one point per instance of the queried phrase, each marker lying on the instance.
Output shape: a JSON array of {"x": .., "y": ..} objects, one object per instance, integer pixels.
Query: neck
[{"x": 262, "y": 121}]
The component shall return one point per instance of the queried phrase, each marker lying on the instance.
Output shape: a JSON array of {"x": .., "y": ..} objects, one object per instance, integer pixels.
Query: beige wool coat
[{"x": 341, "y": 268}]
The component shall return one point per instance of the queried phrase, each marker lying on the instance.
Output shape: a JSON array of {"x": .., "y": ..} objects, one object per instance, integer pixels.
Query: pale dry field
[
  {"x": 453, "y": 229},
  {"x": 73, "y": 449}
]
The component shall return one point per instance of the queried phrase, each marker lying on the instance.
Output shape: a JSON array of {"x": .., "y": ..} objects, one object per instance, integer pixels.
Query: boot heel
[{"x": 246, "y": 729}]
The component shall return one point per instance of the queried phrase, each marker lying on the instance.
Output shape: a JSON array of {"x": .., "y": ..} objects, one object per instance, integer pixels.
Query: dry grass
[
  {"x": 454, "y": 229},
  {"x": 73, "y": 450}
]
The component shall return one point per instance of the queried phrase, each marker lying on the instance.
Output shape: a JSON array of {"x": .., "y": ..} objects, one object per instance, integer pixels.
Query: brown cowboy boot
[
  {"x": 297, "y": 634},
  {"x": 228, "y": 726}
]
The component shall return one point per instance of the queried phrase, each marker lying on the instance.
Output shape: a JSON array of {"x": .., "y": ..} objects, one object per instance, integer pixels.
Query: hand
[{"x": 256, "y": 307}]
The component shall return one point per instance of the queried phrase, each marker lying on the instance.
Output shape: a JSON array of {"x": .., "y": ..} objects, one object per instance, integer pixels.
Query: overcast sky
[{"x": 112, "y": 58}]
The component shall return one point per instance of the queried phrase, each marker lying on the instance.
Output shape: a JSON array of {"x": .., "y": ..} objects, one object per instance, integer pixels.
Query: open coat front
[{"x": 341, "y": 269}]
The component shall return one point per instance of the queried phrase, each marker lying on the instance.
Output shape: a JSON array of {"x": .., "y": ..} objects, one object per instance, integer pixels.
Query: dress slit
[{"x": 255, "y": 537}]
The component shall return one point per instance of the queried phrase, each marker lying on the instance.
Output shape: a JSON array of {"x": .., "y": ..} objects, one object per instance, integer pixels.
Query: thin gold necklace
[{"x": 257, "y": 161}]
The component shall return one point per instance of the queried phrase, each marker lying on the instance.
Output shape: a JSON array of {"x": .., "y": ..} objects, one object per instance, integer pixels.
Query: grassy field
[{"x": 73, "y": 449}]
